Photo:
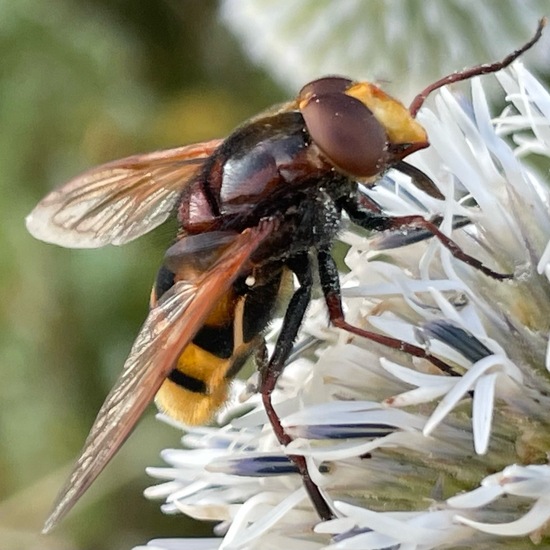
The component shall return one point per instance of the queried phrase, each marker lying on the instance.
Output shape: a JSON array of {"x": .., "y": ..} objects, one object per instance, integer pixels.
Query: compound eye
[
  {"x": 325, "y": 85},
  {"x": 347, "y": 132}
]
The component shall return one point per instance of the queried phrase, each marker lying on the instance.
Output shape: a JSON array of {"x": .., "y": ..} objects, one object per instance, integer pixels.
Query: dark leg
[
  {"x": 389, "y": 240},
  {"x": 466, "y": 74},
  {"x": 330, "y": 284},
  {"x": 270, "y": 373},
  {"x": 381, "y": 222},
  {"x": 369, "y": 204}
]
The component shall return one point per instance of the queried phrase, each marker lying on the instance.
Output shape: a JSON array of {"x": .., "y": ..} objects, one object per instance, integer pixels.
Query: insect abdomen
[{"x": 198, "y": 386}]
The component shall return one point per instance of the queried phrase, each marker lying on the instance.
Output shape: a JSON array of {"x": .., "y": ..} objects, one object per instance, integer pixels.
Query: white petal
[
  {"x": 239, "y": 535},
  {"x": 533, "y": 520},
  {"x": 482, "y": 411},
  {"x": 386, "y": 524},
  {"x": 416, "y": 397},
  {"x": 466, "y": 383},
  {"x": 477, "y": 498},
  {"x": 182, "y": 544},
  {"x": 416, "y": 378}
]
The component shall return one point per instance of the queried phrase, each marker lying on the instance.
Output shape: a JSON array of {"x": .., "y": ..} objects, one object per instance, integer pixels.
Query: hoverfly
[{"x": 253, "y": 210}]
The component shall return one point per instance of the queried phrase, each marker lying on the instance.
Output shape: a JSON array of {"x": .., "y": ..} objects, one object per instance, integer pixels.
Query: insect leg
[
  {"x": 330, "y": 283},
  {"x": 466, "y": 74},
  {"x": 271, "y": 371},
  {"x": 389, "y": 240},
  {"x": 380, "y": 222}
]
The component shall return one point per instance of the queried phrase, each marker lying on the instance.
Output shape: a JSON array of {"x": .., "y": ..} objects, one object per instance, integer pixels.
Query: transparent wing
[
  {"x": 119, "y": 201},
  {"x": 169, "y": 327}
]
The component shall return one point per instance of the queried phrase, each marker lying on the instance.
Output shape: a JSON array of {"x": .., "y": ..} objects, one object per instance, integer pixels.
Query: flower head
[
  {"x": 298, "y": 42},
  {"x": 409, "y": 456}
]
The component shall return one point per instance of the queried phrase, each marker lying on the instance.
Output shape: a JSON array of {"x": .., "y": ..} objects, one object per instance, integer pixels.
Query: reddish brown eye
[
  {"x": 326, "y": 85},
  {"x": 347, "y": 132}
]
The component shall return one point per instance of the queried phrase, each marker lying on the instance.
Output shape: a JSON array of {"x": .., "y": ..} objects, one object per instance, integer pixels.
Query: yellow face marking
[{"x": 400, "y": 126}]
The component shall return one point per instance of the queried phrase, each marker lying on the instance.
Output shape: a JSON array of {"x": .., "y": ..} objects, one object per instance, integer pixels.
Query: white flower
[
  {"x": 373, "y": 40},
  {"x": 406, "y": 454}
]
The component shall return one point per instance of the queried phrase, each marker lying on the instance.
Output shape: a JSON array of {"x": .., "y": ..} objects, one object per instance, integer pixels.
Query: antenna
[{"x": 486, "y": 68}]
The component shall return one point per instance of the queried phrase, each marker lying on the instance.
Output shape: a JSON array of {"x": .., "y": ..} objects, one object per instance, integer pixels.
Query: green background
[{"x": 82, "y": 83}]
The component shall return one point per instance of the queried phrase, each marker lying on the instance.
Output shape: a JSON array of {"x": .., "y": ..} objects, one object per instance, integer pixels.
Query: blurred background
[{"x": 84, "y": 82}]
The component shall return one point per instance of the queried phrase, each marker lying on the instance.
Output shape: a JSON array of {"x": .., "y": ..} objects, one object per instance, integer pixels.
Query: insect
[{"x": 253, "y": 210}]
